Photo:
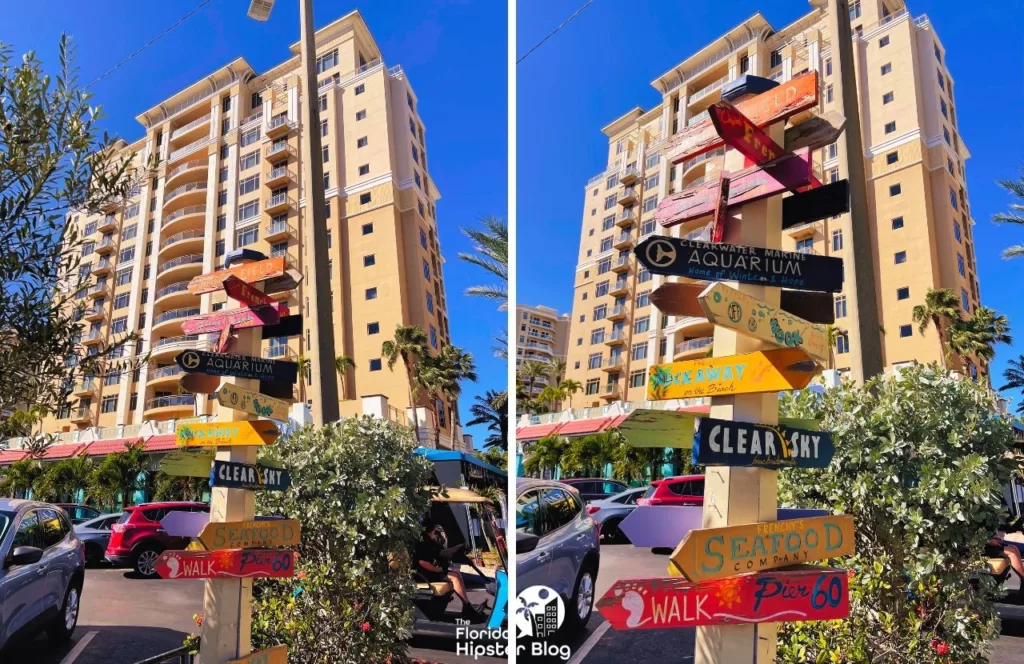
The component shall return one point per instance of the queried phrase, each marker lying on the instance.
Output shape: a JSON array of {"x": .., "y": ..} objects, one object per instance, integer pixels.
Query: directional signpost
[
  {"x": 240, "y": 366},
  {"x": 249, "y": 272},
  {"x": 250, "y": 534},
  {"x": 182, "y": 463},
  {"x": 248, "y": 476},
  {"x": 226, "y": 564},
  {"x": 721, "y": 209},
  {"x": 752, "y": 373},
  {"x": 663, "y": 526},
  {"x": 748, "y": 315},
  {"x": 275, "y": 655},
  {"x": 250, "y": 296},
  {"x": 214, "y": 434},
  {"x": 680, "y": 299},
  {"x": 184, "y": 524},
  {"x": 239, "y": 319},
  {"x": 658, "y": 428},
  {"x": 254, "y": 403},
  {"x": 728, "y": 443},
  {"x": 812, "y": 593}
]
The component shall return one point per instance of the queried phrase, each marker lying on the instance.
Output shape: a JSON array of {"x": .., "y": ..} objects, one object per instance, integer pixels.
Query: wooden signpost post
[
  {"x": 717, "y": 553},
  {"x": 721, "y": 209},
  {"x": 728, "y": 443},
  {"x": 254, "y": 403},
  {"x": 751, "y": 373},
  {"x": 250, "y": 534},
  {"x": 275, "y": 655},
  {"x": 249, "y": 476},
  {"x": 235, "y": 434},
  {"x": 748, "y": 315},
  {"x": 680, "y": 299},
  {"x": 814, "y": 593},
  {"x": 226, "y": 564}
]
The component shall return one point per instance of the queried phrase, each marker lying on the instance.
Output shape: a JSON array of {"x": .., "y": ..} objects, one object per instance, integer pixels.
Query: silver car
[
  {"x": 557, "y": 545},
  {"x": 610, "y": 512}
]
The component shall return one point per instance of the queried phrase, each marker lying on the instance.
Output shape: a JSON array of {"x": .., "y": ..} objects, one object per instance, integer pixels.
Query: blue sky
[
  {"x": 453, "y": 53},
  {"x": 600, "y": 66}
]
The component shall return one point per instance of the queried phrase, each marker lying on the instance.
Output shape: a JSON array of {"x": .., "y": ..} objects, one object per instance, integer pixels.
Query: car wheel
[
  {"x": 63, "y": 625},
  {"x": 145, "y": 560},
  {"x": 581, "y": 604}
]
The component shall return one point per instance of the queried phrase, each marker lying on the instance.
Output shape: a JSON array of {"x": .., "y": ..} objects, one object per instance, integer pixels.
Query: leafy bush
[
  {"x": 920, "y": 461},
  {"x": 358, "y": 491}
]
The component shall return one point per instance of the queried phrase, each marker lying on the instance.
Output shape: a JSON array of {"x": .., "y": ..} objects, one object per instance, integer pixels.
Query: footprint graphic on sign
[
  {"x": 634, "y": 603},
  {"x": 173, "y": 565}
]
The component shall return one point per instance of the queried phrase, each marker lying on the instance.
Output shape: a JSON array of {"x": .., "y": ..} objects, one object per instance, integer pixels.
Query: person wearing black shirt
[{"x": 430, "y": 563}]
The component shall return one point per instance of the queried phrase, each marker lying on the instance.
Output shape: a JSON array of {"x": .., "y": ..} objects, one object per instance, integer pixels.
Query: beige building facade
[
  {"x": 228, "y": 177},
  {"x": 921, "y": 225},
  {"x": 542, "y": 335}
]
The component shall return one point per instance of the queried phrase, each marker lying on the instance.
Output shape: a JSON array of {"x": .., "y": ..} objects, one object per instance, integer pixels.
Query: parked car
[
  {"x": 557, "y": 545},
  {"x": 42, "y": 571},
  {"x": 137, "y": 539},
  {"x": 681, "y": 490},
  {"x": 610, "y": 512},
  {"x": 595, "y": 488},
  {"x": 95, "y": 534},
  {"x": 79, "y": 513}
]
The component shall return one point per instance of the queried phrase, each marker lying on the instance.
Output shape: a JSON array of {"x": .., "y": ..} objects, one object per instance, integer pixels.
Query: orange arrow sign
[
  {"x": 258, "y": 432},
  {"x": 248, "y": 272},
  {"x": 752, "y": 373},
  {"x": 715, "y": 553},
  {"x": 250, "y": 534},
  {"x": 245, "y": 292}
]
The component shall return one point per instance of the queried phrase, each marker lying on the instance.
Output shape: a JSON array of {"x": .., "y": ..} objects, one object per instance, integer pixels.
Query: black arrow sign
[
  {"x": 240, "y": 366},
  {"x": 748, "y": 265},
  {"x": 247, "y": 476},
  {"x": 816, "y": 204},
  {"x": 727, "y": 443}
]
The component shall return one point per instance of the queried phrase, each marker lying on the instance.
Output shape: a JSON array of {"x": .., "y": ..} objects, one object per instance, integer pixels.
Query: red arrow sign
[
  {"x": 801, "y": 594},
  {"x": 245, "y": 293},
  {"x": 226, "y": 564},
  {"x": 238, "y": 318}
]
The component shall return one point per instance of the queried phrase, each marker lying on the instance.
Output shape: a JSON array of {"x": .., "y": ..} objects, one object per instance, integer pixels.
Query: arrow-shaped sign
[
  {"x": 716, "y": 553},
  {"x": 728, "y": 443},
  {"x": 245, "y": 293},
  {"x": 663, "y": 526},
  {"x": 658, "y": 428},
  {"x": 235, "y": 475},
  {"x": 184, "y": 524},
  {"x": 240, "y": 366},
  {"x": 268, "y": 268},
  {"x": 680, "y": 299},
  {"x": 815, "y": 132},
  {"x": 258, "y": 432},
  {"x": 181, "y": 463},
  {"x": 804, "y": 594},
  {"x": 239, "y": 319},
  {"x": 226, "y": 564},
  {"x": 266, "y": 534},
  {"x": 239, "y": 398},
  {"x": 751, "y": 373},
  {"x": 734, "y": 310}
]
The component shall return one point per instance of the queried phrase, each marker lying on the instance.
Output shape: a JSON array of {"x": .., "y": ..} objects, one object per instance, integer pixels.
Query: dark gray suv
[
  {"x": 557, "y": 545},
  {"x": 42, "y": 567}
]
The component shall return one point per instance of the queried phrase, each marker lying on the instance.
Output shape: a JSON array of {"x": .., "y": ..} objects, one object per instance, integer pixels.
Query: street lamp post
[{"x": 319, "y": 316}]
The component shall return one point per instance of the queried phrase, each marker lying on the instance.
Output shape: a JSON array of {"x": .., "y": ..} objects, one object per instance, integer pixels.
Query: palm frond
[
  {"x": 488, "y": 292},
  {"x": 1013, "y": 251}
]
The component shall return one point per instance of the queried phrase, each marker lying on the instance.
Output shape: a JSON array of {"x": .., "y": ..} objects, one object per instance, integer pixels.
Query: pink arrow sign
[
  {"x": 664, "y": 526},
  {"x": 238, "y": 318},
  {"x": 184, "y": 524}
]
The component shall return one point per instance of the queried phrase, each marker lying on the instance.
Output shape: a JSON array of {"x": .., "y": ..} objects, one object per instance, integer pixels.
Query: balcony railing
[
  {"x": 703, "y": 115},
  {"x": 629, "y": 171},
  {"x": 83, "y": 413},
  {"x": 278, "y": 121},
  {"x": 618, "y": 309},
  {"x": 187, "y": 259},
  {"x": 611, "y": 389},
  {"x": 191, "y": 147},
  {"x": 617, "y": 335},
  {"x": 191, "y": 186},
  {"x": 177, "y": 214},
  {"x": 280, "y": 199},
  {"x": 694, "y": 344},
  {"x": 278, "y": 172},
  {"x": 277, "y": 148},
  {"x": 191, "y": 125},
  {"x": 173, "y": 288},
  {"x": 174, "y": 400},
  {"x": 615, "y": 361},
  {"x": 181, "y": 339},
  {"x": 174, "y": 314},
  {"x": 278, "y": 227},
  {"x": 623, "y": 260},
  {"x": 689, "y": 163},
  {"x": 253, "y": 118},
  {"x": 163, "y": 372},
  {"x": 195, "y": 163},
  {"x": 702, "y": 234},
  {"x": 713, "y": 59},
  {"x": 277, "y": 351},
  {"x": 99, "y": 287},
  {"x": 707, "y": 89},
  {"x": 183, "y": 235}
]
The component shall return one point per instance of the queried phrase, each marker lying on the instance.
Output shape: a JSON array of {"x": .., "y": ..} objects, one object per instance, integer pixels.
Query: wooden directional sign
[
  {"x": 751, "y": 373},
  {"x": 739, "y": 133},
  {"x": 226, "y": 564},
  {"x": 680, "y": 299},
  {"x": 239, "y": 319},
  {"x": 290, "y": 281},
  {"x": 235, "y": 475},
  {"x": 275, "y": 655},
  {"x": 225, "y": 339},
  {"x": 816, "y": 204},
  {"x": 731, "y": 262},
  {"x": 721, "y": 209},
  {"x": 245, "y": 293},
  {"x": 816, "y": 131},
  {"x": 240, "y": 366},
  {"x": 250, "y": 534},
  {"x": 197, "y": 383},
  {"x": 663, "y": 526},
  {"x": 658, "y": 428},
  {"x": 181, "y": 463},
  {"x": 248, "y": 272},
  {"x": 789, "y": 172},
  {"x": 803, "y": 594},
  {"x": 795, "y": 95},
  {"x": 178, "y": 523},
  {"x": 716, "y": 553},
  {"x": 254, "y": 403},
  {"x": 732, "y": 309},
  {"x": 257, "y": 432},
  {"x": 727, "y": 443}
]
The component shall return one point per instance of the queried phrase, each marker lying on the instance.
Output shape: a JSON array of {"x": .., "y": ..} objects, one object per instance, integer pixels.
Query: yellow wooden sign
[
  {"x": 250, "y": 534},
  {"x": 254, "y": 403},
  {"x": 748, "y": 315},
  {"x": 763, "y": 371},
  {"x": 187, "y": 464},
  {"x": 259, "y": 432},
  {"x": 275, "y": 655},
  {"x": 716, "y": 553}
]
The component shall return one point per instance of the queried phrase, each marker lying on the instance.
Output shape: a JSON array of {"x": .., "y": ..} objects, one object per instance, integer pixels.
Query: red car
[
  {"x": 137, "y": 539},
  {"x": 682, "y": 490}
]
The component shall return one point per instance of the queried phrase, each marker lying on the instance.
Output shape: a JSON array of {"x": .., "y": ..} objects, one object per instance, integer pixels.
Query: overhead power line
[
  {"x": 552, "y": 33},
  {"x": 150, "y": 42}
]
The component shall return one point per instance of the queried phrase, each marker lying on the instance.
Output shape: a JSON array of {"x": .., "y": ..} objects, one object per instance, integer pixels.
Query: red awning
[
  {"x": 697, "y": 410},
  {"x": 8, "y": 457},
  {"x": 104, "y": 447},
  {"x": 615, "y": 422},
  {"x": 161, "y": 443},
  {"x": 537, "y": 431},
  {"x": 65, "y": 451},
  {"x": 584, "y": 427}
]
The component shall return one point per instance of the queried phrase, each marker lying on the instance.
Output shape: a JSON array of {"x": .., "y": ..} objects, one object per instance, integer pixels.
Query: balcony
[
  {"x": 278, "y": 203},
  {"x": 164, "y": 375},
  {"x": 279, "y": 126},
  {"x": 110, "y": 206},
  {"x": 630, "y": 175},
  {"x": 624, "y": 241},
  {"x": 188, "y": 149},
  {"x": 196, "y": 211},
  {"x": 628, "y": 196},
  {"x": 278, "y": 152},
  {"x": 277, "y": 231},
  {"x": 618, "y": 312},
  {"x": 173, "y": 318},
  {"x": 707, "y": 89},
  {"x": 196, "y": 165},
  {"x": 99, "y": 289},
  {"x": 176, "y": 293},
  {"x": 621, "y": 266},
  {"x": 102, "y": 267},
  {"x": 277, "y": 352},
  {"x": 108, "y": 224},
  {"x": 196, "y": 236},
  {"x": 185, "y": 262},
  {"x": 191, "y": 128},
  {"x": 252, "y": 119},
  {"x": 95, "y": 314},
  {"x": 693, "y": 348},
  {"x": 619, "y": 288},
  {"x": 615, "y": 363},
  {"x": 611, "y": 392},
  {"x": 533, "y": 345},
  {"x": 94, "y": 337},
  {"x": 85, "y": 387},
  {"x": 106, "y": 246},
  {"x": 278, "y": 176},
  {"x": 616, "y": 338},
  {"x": 625, "y": 219},
  {"x": 173, "y": 345},
  {"x": 192, "y": 188},
  {"x": 171, "y": 405},
  {"x": 82, "y": 415}
]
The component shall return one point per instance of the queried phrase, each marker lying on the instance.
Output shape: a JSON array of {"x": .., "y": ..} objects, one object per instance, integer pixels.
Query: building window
[
  {"x": 842, "y": 343},
  {"x": 639, "y": 351},
  {"x": 433, "y": 342},
  {"x": 426, "y": 269},
  {"x": 945, "y": 135},
  {"x": 829, "y": 94},
  {"x": 326, "y": 153},
  {"x": 895, "y": 190},
  {"x": 364, "y": 169},
  {"x": 375, "y": 364},
  {"x": 607, "y": 223},
  {"x": 744, "y": 64},
  {"x": 643, "y": 299},
  {"x": 606, "y": 245},
  {"x": 373, "y": 328},
  {"x": 949, "y": 167},
  {"x": 323, "y": 102},
  {"x": 841, "y": 306},
  {"x": 890, "y": 127},
  {"x": 430, "y": 303},
  {"x": 883, "y": 42},
  {"x": 637, "y": 378},
  {"x": 249, "y": 184},
  {"x": 597, "y": 336},
  {"x": 326, "y": 61},
  {"x": 423, "y": 239},
  {"x": 249, "y": 137},
  {"x": 609, "y": 202},
  {"x": 360, "y": 115},
  {"x": 593, "y": 386},
  {"x": 248, "y": 211},
  {"x": 643, "y": 276},
  {"x": 371, "y": 293},
  {"x": 248, "y": 236},
  {"x": 892, "y": 157},
  {"x": 886, "y": 68},
  {"x": 903, "y": 293},
  {"x": 109, "y": 404},
  {"x": 960, "y": 265},
  {"x": 897, "y": 223},
  {"x": 642, "y": 325},
  {"x": 828, "y": 67},
  {"x": 361, "y": 143},
  {"x": 594, "y": 360},
  {"x": 222, "y": 198},
  {"x": 775, "y": 59},
  {"x": 130, "y": 232},
  {"x": 805, "y": 245},
  {"x": 952, "y": 198},
  {"x": 650, "y": 203},
  {"x": 601, "y": 289},
  {"x": 887, "y": 98},
  {"x": 364, "y": 198},
  {"x": 369, "y": 260},
  {"x": 651, "y": 182},
  {"x": 119, "y": 325},
  {"x": 956, "y": 230},
  {"x": 942, "y": 107},
  {"x": 121, "y": 301},
  {"x": 323, "y": 127},
  {"x": 600, "y": 311},
  {"x": 906, "y": 331},
  {"x": 964, "y": 303},
  {"x": 360, "y": 89},
  {"x": 900, "y": 257}
]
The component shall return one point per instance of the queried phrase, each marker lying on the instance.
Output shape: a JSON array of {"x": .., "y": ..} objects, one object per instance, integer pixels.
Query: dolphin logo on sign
[
  {"x": 190, "y": 359},
  {"x": 661, "y": 253}
]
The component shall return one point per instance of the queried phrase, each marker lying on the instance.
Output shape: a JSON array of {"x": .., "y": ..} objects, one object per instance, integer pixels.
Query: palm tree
[
  {"x": 490, "y": 245},
  {"x": 992, "y": 328},
  {"x": 570, "y": 387},
  {"x": 556, "y": 369},
  {"x": 443, "y": 374},
  {"x": 409, "y": 345},
  {"x": 530, "y": 371},
  {"x": 1016, "y": 213},
  {"x": 545, "y": 453},
  {"x": 20, "y": 477},
  {"x": 589, "y": 455},
  {"x": 304, "y": 371},
  {"x": 121, "y": 474},
  {"x": 549, "y": 396},
  {"x": 61, "y": 480},
  {"x": 492, "y": 410},
  {"x": 1014, "y": 376},
  {"x": 941, "y": 308},
  {"x": 342, "y": 364}
]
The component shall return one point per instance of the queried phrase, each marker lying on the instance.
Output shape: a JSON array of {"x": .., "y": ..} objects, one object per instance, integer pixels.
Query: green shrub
[
  {"x": 358, "y": 491},
  {"x": 920, "y": 461}
]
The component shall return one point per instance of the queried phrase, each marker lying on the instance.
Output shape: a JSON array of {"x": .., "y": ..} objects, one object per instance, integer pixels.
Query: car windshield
[{"x": 5, "y": 522}]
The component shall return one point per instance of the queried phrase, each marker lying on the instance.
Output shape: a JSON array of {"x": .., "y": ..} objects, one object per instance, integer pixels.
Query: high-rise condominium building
[
  {"x": 542, "y": 336},
  {"x": 229, "y": 176},
  {"x": 921, "y": 226}
]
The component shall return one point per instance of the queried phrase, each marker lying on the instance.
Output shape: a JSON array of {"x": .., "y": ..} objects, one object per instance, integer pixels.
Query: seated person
[
  {"x": 429, "y": 560},
  {"x": 996, "y": 548}
]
